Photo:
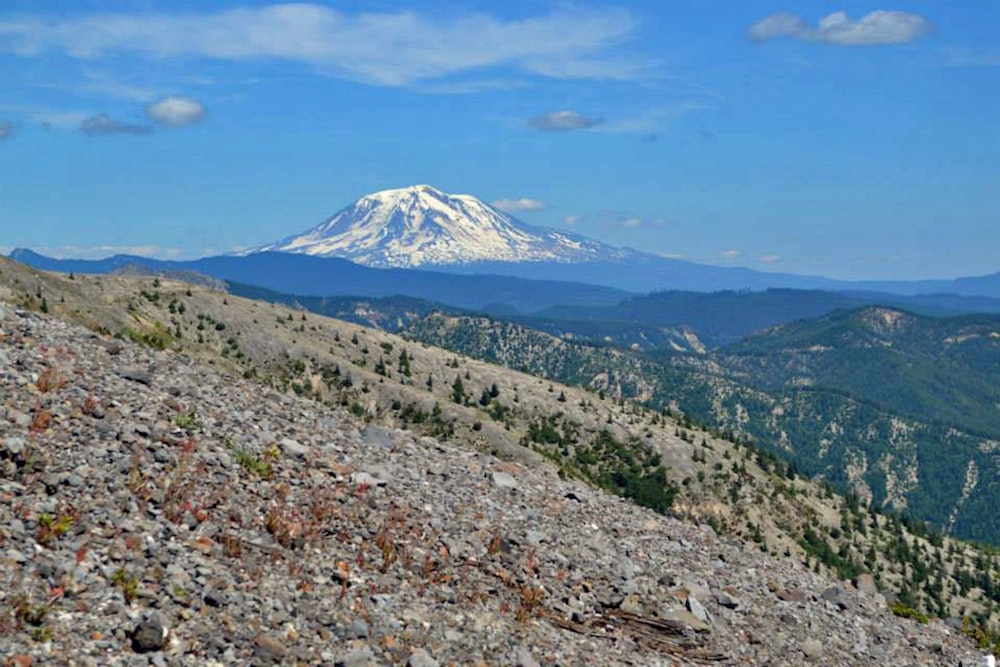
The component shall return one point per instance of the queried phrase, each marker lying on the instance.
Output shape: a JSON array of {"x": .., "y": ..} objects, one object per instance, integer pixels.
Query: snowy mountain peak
[{"x": 421, "y": 225}]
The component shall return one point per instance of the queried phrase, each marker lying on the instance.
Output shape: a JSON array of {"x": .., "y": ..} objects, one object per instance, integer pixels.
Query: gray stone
[
  {"x": 866, "y": 584},
  {"x": 16, "y": 556},
  {"x": 523, "y": 658},
  {"x": 376, "y": 436},
  {"x": 727, "y": 599},
  {"x": 14, "y": 446},
  {"x": 21, "y": 419},
  {"x": 357, "y": 658},
  {"x": 268, "y": 650},
  {"x": 421, "y": 658},
  {"x": 503, "y": 480},
  {"x": 293, "y": 448},
  {"x": 836, "y": 595},
  {"x": 136, "y": 374},
  {"x": 697, "y": 610},
  {"x": 534, "y": 537},
  {"x": 812, "y": 648},
  {"x": 366, "y": 479},
  {"x": 359, "y": 629},
  {"x": 150, "y": 634}
]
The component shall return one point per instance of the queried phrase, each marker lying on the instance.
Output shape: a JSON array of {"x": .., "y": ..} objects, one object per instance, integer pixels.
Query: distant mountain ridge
[
  {"x": 305, "y": 275},
  {"x": 421, "y": 225}
]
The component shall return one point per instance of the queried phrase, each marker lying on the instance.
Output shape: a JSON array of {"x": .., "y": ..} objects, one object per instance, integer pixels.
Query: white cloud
[
  {"x": 387, "y": 48},
  {"x": 518, "y": 205},
  {"x": 102, "y": 124},
  {"x": 731, "y": 254},
  {"x": 50, "y": 118},
  {"x": 769, "y": 259},
  {"x": 629, "y": 220},
  {"x": 6, "y": 129},
  {"x": 878, "y": 27},
  {"x": 571, "y": 220},
  {"x": 101, "y": 84},
  {"x": 556, "y": 121},
  {"x": 471, "y": 86},
  {"x": 176, "y": 111},
  {"x": 98, "y": 83}
]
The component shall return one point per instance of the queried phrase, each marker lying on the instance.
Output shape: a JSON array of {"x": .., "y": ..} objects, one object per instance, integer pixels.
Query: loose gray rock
[
  {"x": 361, "y": 657},
  {"x": 13, "y": 447},
  {"x": 812, "y": 648},
  {"x": 293, "y": 448},
  {"x": 366, "y": 479},
  {"x": 268, "y": 650},
  {"x": 836, "y": 595},
  {"x": 727, "y": 600},
  {"x": 150, "y": 634},
  {"x": 866, "y": 584},
  {"x": 135, "y": 374},
  {"x": 421, "y": 658},
  {"x": 376, "y": 436},
  {"x": 524, "y": 658},
  {"x": 697, "y": 610},
  {"x": 503, "y": 480}
]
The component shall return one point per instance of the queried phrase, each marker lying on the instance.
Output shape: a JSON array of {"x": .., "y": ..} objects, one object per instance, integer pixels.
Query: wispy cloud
[
  {"x": 102, "y": 124},
  {"x": 878, "y": 27},
  {"x": 629, "y": 220},
  {"x": 96, "y": 83},
  {"x": 48, "y": 118},
  {"x": 101, "y": 251},
  {"x": 556, "y": 121},
  {"x": 6, "y": 129},
  {"x": 964, "y": 57},
  {"x": 730, "y": 255},
  {"x": 769, "y": 259},
  {"x": 384, "y": 48},
  {"x": 571, "y": 220},
  {"x": 176, "y": 111},
  {"x": 471, "y": 86},
  {"x": 519, "y": 205}
]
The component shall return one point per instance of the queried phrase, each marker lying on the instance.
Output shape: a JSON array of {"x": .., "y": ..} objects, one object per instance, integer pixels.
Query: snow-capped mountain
[{"x": 420, "y": 225}]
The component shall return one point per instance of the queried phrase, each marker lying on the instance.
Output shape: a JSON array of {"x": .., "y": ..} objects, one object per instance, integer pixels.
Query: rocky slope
[
  {"x": 158, "y": 512},
  {"x": 921, "y": 461}
]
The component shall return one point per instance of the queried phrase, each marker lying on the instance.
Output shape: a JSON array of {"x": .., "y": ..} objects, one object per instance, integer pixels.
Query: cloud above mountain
[
  {"x": 102, "y": 124},
  {"x": 556, "y": 121},
  {"x": 391, "y": 48},
  {"x": 519, "y": 205},
  {"x": 176, "y": 111},
  {"x": 874, "y": 28}
]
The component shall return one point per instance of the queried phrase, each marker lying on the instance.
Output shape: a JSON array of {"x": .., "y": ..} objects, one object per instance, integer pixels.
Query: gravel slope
[{"x": 155, "y": 512}]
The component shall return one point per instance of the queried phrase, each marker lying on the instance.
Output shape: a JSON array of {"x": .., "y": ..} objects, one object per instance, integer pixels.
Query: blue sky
[{"x": 851, "y": 139}]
